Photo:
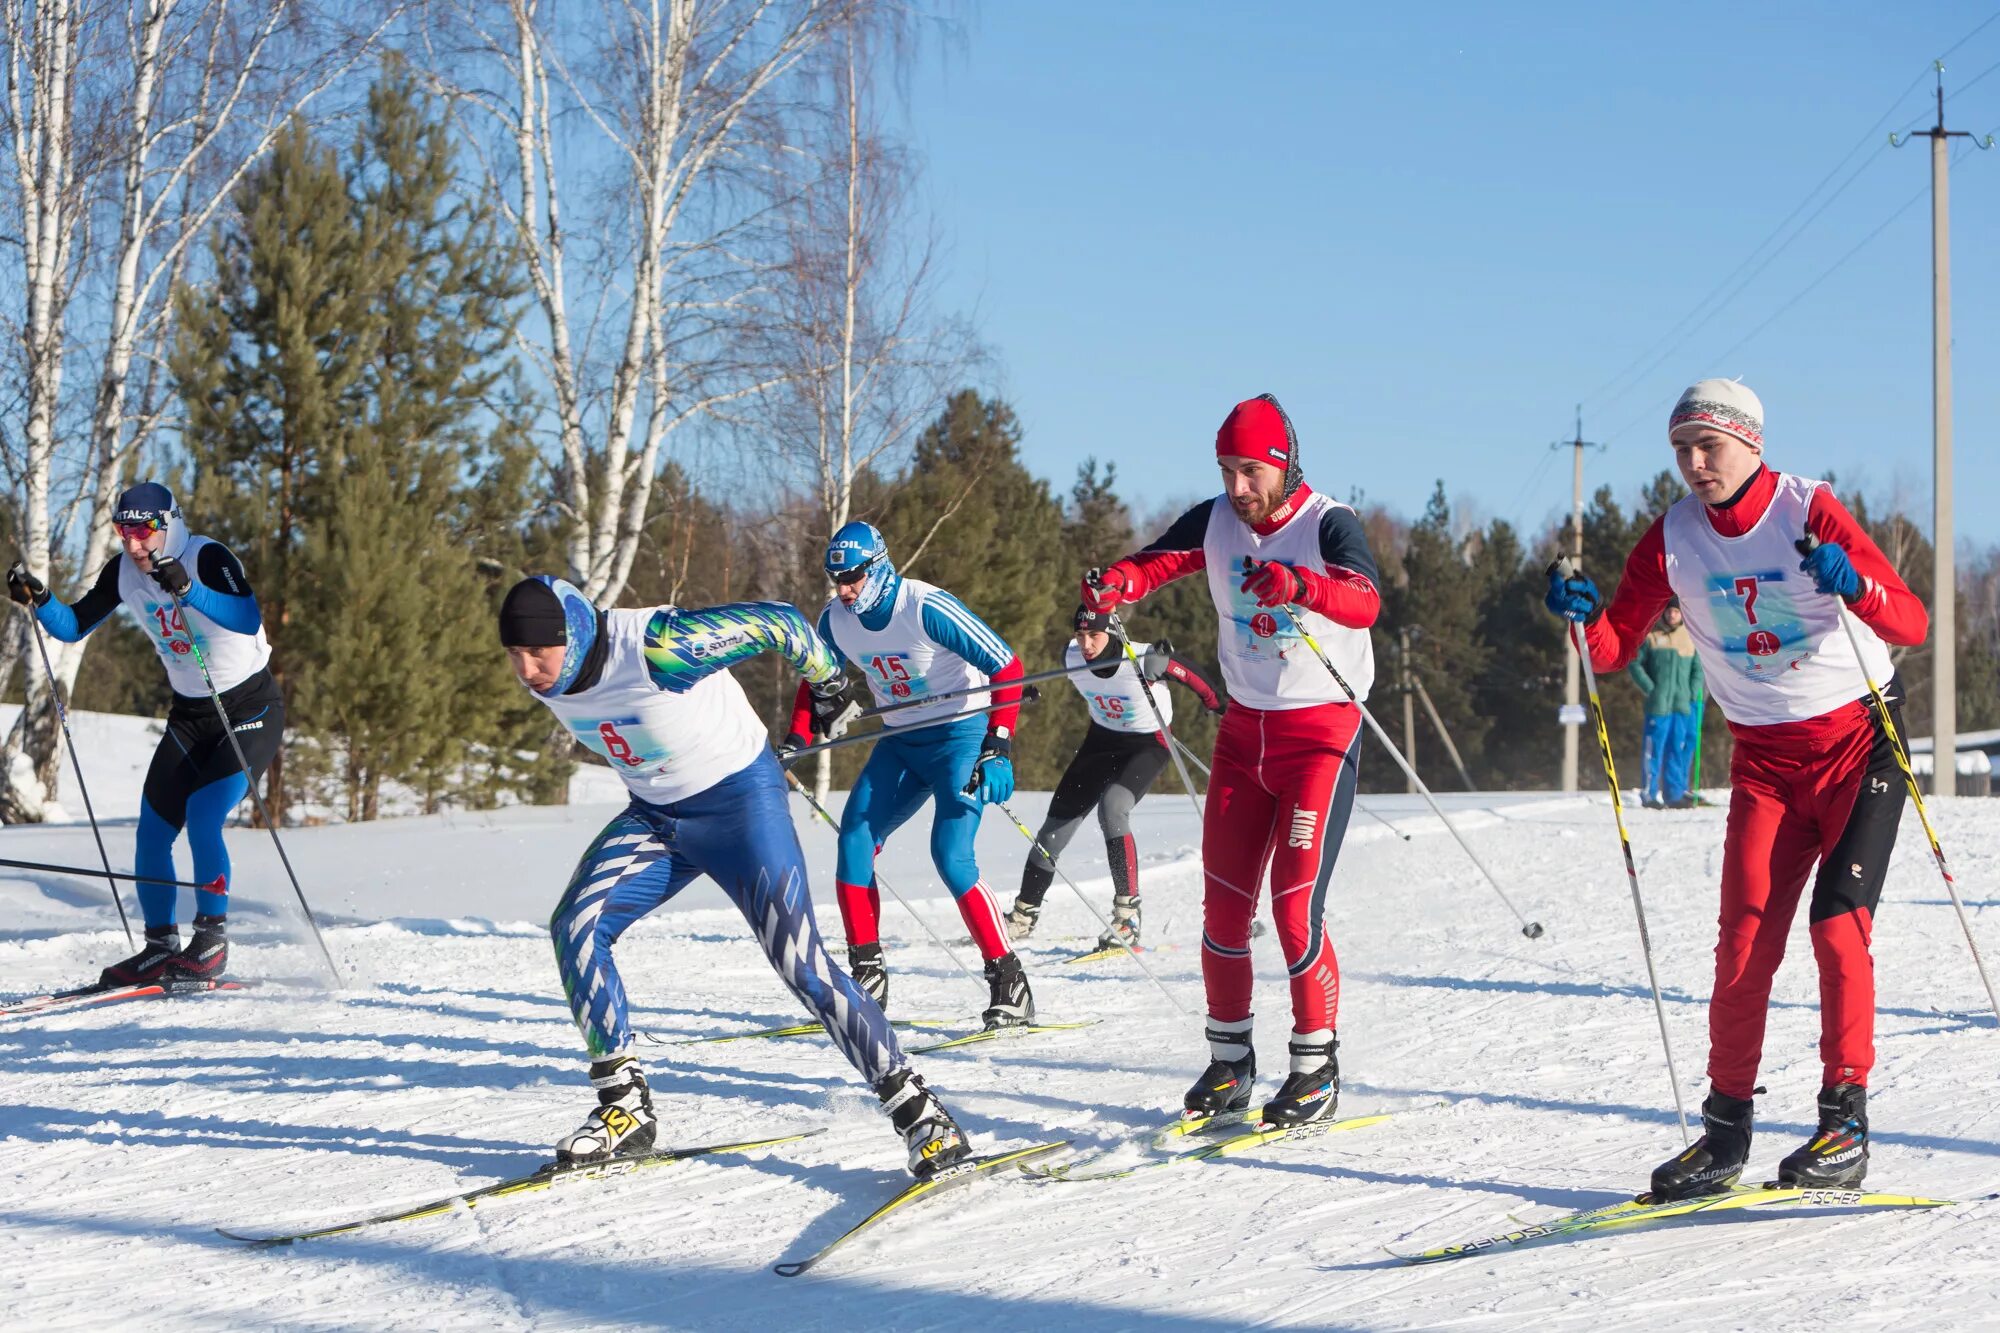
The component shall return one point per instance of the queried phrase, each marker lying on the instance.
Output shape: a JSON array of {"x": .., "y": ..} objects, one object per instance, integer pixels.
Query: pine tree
[{"x": 1519, "y": 684}]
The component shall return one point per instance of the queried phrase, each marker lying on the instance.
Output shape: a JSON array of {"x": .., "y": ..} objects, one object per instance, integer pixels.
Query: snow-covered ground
[{"x": 1525, "y": 1079}]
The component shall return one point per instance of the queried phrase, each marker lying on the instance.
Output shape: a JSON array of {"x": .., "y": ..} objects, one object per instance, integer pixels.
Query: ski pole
[
  {"x": 1015, "y": 820},
  {"x": 1159, "y": 718},
  {"x": 212, "y": 886},
  {"x": 1565, "y": 567},
  {"x": 1028, "y": 695},
  {"x": 1806, "y": 545},
  {"x": 250, "y": 781},
  {"x": 881, "y": 883},
  {"x": 1195, "y": 759},
  {"x": 76, "y": 762},
  {"x": 1056, "y": 673},
  {"x": 1532, "y": 929}
]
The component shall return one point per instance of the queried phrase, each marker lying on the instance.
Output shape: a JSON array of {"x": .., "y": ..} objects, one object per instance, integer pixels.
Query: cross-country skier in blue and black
[
  {"x": 187, "y": 593},
  {"x": 912, "y": 638},
  {"x": 649, "y": 690}
]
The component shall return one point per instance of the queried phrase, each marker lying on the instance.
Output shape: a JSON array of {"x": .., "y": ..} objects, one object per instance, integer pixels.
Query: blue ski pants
[
  {"x": 739, "y": 833},
  {"x": 1668, "y": 754}
]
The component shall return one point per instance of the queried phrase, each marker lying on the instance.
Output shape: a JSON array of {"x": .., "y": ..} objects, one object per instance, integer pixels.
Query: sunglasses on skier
[
  {"x": 847, "y": 578},
  {"x": 140, "y": 529}
]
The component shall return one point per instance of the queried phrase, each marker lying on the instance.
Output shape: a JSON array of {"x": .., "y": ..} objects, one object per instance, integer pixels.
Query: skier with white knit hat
[{"x": 1814, "y": 776}]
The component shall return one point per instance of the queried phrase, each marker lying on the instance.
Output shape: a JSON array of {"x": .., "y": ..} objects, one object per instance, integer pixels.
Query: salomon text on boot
[
  {"x": 1714, "y": 1161},
  {"x": 864, "y": 964},
  {"x": 931, "y": 1135},
  {"x": 146, "y": 966},
  {"x": 623, "y": 1123},
  {"x": 1231, "y": 1074},
  {"x": 206, "y": 955},
  {"x": 1011, "y": 1003},
  {"x": 1310, "y": 1091},
  {"x": 1836, "y": 1157}
]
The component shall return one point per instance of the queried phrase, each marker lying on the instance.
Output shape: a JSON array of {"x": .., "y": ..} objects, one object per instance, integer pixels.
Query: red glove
[
  {"x": 1107, "y": 588},
  {"x": 1272, "y": 582}
]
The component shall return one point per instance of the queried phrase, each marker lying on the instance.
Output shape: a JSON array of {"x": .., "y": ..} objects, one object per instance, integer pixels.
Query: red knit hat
[{"x": 1258, "y": 428}]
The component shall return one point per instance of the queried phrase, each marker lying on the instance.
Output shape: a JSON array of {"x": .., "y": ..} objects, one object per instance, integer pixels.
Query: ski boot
[
  {"x": 1013, "y": 1004},
  {"x": 1310, "y": 1091},
  {"x": 1020, "y": 920},
  {"x": 1715, "y": 1160},
  {"x": 146, "y": 966},
  {"x": 205, "y": 957},
  {"x": 932, "y": 1136},
  {"x": 1837, "y": 1156},
  {"x": 864, "y": 964},
  {"x": 1124, "y": 923},
  {"x": 1231, "y": 1074},
  {"x": 623, "y": 1123}
]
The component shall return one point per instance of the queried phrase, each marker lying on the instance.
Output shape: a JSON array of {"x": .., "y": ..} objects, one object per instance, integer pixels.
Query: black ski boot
[
  {"x": 1124, "y": 923},
  {"x": 206, "y": 955},
  {"x": 864, "y": 964},
  {"x": 932, "y": 1136},
  {"x": 622, "y": 1124},
  {"x": 1013, "y": 1005},
  {"x": 1310, "y": 1091},
  {"x": 146, "y": 966},
  {"x": 1715, "y": 1160},
  {"x": 1020, "y": 920},
  {"x": 1837, "y": 1156},
  {"x": 1231, "y": 1074}
]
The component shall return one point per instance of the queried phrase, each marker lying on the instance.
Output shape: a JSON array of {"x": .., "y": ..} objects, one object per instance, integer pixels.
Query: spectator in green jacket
[{"x": 1670, "y": 674}]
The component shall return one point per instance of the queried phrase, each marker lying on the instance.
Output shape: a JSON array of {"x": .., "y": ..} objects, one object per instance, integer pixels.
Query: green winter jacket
[{"x": 1668, "y": 671}]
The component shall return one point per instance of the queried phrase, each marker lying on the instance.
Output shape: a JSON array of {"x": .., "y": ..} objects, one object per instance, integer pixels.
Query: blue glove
[
  {"x": 992, "y": 776},
  {"x": 1832, "y": 572},
  {"x": 1573, "y": 598}
]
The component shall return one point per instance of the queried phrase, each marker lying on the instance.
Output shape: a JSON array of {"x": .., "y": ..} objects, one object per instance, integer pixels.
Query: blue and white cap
[
  {"x": 859, "y": 549},
  {"x": 150, "y": 502}
]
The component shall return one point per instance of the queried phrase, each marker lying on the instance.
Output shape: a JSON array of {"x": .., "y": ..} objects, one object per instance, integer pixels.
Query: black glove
[
  {"x": 788, "y": 749},
  {"x": 24, "y": 587},
  {"x": 831, "y": 705},
  {"x": 1159, "y": 656},
  {"x": 171, "y": 575}
]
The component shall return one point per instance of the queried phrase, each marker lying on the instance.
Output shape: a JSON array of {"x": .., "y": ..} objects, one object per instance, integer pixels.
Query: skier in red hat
[{"x": 1284, "y": 769}]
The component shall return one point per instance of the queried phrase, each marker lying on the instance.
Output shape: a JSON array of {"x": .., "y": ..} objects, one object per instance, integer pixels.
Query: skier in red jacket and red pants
[
  {"x": 1284, "y": 770},
  {"x": 1814, "y": 776}
]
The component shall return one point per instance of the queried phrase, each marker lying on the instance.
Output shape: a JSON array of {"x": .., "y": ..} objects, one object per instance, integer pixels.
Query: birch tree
[
  {"x": 128, "y": 122},
  {"x": 623, "y": 134}
]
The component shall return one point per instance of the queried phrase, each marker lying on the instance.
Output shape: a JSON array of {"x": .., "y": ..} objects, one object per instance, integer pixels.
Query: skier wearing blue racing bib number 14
[
  {"x": 649, "y": 691},
  {"x": 914, "y": 639}
]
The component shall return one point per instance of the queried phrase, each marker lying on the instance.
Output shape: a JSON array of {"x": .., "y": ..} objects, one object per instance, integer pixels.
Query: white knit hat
[{"x": 1724, "y": 405}]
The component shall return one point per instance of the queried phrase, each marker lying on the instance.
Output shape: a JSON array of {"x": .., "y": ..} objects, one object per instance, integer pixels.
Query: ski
[
  {"x": 1243, "y": 1140},
  {"x": 791, "y": 1030},
  {"x": 1643, "y": 1209},
  {"x": 541, "y": 1178},
  {"x": 949, "y": 1178},
  {"x": 995, "y": 1034},
  {"x": 1099, "y": 955},
  {"x": 85, "y": 997}
]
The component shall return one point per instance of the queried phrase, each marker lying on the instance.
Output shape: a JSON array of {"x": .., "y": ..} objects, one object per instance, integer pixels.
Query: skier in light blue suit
[
  {"x": 649, "y": 690},
  {"x": 912, "y": 639}
]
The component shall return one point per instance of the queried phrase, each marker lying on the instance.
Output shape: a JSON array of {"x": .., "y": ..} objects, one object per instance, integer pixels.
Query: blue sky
[{"x": 1433, "y": 231}]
